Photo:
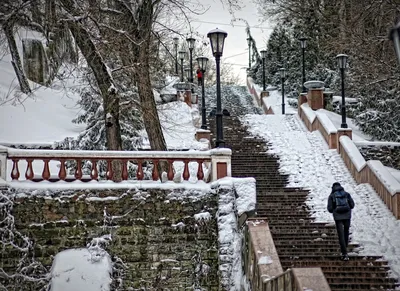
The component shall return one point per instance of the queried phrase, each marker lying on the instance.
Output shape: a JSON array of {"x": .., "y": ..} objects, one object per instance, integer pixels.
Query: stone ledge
[{"x": 310, "y": 279}]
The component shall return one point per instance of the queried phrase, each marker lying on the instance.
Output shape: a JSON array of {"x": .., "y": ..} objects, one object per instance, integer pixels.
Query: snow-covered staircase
[{"x": 300, "y": 241}]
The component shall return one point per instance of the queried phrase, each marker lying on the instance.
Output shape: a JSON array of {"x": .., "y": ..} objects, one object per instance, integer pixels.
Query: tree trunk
[
  {"x": 16, "y": 59},
  {"x": 148, "y": 104},
  {"x": 107, "y": 89}
]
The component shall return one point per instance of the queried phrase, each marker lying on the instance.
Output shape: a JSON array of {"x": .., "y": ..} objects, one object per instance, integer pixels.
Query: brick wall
[{"x": 154, "y": 234}]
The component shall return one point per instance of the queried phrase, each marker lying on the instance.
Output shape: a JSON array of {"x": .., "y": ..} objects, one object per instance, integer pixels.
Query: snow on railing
[{"x": 218, "y": 161}]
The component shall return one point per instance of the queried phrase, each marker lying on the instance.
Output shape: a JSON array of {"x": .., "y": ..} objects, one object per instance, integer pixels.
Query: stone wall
[
  {"x": 154, "y": 233},
  {"x": 388, "y": 155}
]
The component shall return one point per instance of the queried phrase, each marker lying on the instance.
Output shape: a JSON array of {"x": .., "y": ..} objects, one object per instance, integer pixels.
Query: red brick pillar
[
  {"x": 343, "y": 131},
  {"x": 315, "y": 98},
  {"x": 188, "y": 97}
]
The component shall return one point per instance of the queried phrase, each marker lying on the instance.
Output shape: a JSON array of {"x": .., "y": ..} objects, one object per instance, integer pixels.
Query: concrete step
[{"x": 300, "y": 241}]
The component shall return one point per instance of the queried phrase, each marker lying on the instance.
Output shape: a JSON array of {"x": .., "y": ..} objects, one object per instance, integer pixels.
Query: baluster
[
  {"x": 15, "y": 170},
  {"x": 46, "y": 170},
  {"x": 94, "y": 174},
  {"x": 200, "y": 173},
  {"x": 78, "y": 170},
  {"x": 62, "y": 174},
  {"x": 124, "y": 170},
  {"x": 186, "y": 174},
  {"x": 110, "y": 172},
  {"x": 29, "y": 170},
  {"x": 170, "y": 174},
  {"x": 155, "y": 174},
  {"x": 139, "y": 173}
]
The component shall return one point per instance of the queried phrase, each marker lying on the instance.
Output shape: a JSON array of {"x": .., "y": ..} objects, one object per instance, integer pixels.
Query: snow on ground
[
  {"x": 178, "y": 122},
  {"x": 74, "y": 269},
  {"x": 275, "y": 101},
  {"x": 40, "y": 119},
  {"x": 311, "y": 164}
]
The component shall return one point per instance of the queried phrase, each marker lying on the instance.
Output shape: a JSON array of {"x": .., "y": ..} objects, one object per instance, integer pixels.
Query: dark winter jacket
[{"x": 332, "y": 203}]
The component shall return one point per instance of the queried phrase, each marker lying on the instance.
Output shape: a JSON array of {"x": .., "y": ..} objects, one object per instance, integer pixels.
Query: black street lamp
[
  {"x": 176, "y": 42},
  {"x": 342, "y": 63},
  {"x": 283, "y": 76},
  {"x": 190, "y": 42},
  {"x": 182, "y": 56},
  {"x": 217, "y": 39},
  {"x": 249, "y": 45},
  {"x": 202, "y": 61},
  {"x": 303, "y": 45},
  {"x": 263, "y": 56}
]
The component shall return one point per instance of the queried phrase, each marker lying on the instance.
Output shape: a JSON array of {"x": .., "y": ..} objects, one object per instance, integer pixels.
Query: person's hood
[{"x": 337, "y": 187}]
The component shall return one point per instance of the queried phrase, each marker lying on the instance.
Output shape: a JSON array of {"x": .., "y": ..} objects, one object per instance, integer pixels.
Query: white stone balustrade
[{"x": 216, "y": 162}]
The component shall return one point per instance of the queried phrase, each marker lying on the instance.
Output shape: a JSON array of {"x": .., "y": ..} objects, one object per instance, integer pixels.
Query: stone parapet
[{"x": 310, "y": 279}]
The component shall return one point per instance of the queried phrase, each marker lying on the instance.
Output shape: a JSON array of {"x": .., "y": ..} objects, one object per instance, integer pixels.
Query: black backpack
[{"x": 342, "y": 204}]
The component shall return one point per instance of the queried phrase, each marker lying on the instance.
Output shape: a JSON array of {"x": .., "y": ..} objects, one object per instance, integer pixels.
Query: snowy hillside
[{"x": 42, "y": 118}]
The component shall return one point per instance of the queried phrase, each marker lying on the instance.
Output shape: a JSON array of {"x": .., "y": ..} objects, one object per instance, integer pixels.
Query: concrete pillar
[
  {"x": 221, "y": 163},
  {"x": 203, "y": 133}
]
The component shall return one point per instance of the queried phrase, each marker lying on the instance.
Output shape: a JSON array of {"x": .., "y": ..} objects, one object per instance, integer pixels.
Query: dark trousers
[
  {"x": 342, "y": 227},
  {"x": 199, "y": 80}
]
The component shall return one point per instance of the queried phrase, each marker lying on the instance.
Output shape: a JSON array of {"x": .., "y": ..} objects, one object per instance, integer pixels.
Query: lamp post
[
  {"x": 283, "y": 76},
  {"x": 342, "y": 63},
  {"x": 303, "y": 45},
  {"x": 190, "y": 42},
  {"x": 263, "y": 56},
  {"x": 182, "y": 56},
  {"x": 249, "y": 45},
  {"x": 217, "y": 39},
  {"x": 187, "y": 74},
  {"x": 176, "y": 41},
  {"x": 202, "y": 61}
]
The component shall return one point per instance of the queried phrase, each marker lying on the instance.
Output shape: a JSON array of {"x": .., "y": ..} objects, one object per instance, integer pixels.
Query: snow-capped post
[
  {"x": 315, "y": 94},
  {"x": 3, "y": 166},
  {"x": 221, "y": 163}
]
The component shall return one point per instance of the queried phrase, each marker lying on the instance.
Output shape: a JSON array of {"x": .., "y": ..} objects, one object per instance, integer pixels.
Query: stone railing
[
  {"x": 372, "y": 172},
  {"x": 261, "y": 98},
  {"x": 51, "y": 165},
  {"x": 262, "y": 266}
]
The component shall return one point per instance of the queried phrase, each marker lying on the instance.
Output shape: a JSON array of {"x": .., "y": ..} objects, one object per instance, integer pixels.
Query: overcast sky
[{"x": 236, "y": 49}]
